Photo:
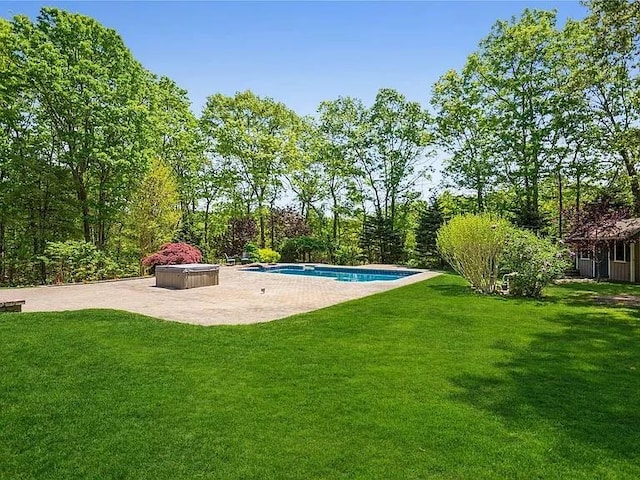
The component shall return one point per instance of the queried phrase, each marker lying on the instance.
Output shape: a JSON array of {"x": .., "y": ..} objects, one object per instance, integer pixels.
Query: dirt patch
[{"x": 618, "y": 300}]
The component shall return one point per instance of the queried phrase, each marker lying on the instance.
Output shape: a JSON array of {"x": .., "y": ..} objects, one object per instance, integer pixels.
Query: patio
[{"x": 238, "y": 299}]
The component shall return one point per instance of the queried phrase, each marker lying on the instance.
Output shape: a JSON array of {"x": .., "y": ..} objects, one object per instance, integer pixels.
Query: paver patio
[{"x": 237, "y": 300}]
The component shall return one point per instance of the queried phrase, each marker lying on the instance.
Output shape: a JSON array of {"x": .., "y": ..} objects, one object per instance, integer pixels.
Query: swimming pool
[{"x": 341, "y": 274}]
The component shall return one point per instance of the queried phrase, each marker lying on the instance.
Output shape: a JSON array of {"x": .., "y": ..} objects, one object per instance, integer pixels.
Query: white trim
[
  {"x": 593, "y": 264},
  {"x": 632, "y": 264}
]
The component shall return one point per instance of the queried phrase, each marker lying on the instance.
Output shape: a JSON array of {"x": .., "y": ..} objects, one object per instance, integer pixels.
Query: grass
[{"x": 425, "y": 381}]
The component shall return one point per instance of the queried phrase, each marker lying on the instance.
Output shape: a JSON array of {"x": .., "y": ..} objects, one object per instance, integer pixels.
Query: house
[{"x": 611, "y": 252}]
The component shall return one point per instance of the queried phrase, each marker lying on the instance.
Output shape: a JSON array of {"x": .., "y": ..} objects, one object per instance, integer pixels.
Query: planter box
[{"x": 190, "y": 275}]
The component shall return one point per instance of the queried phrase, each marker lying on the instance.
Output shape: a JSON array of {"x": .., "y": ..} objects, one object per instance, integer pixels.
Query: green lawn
[{"x": 425, "y": 381}]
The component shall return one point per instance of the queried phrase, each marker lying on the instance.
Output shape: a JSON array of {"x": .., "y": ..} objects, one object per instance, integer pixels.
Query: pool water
[{"x": 341, "y": 274}]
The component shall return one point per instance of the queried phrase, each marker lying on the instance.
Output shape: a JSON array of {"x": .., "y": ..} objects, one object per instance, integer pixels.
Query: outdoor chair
[
  {"x": 229, "y": 260},
  {"x": 245, "y": 258}
]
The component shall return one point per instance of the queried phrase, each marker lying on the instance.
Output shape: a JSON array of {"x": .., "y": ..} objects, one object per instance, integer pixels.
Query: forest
[{"x": 102, "y": 161}]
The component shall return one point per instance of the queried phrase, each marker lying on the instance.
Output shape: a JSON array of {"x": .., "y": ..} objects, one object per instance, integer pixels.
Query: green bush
[
  {"x": 532, "y": 263},
  {"x": 251, "y": 249},
  {"x": 266, "y": 255},
  {"x": 473, "y": 246},
  {"x": 348, "y": 255},
  {"x": 78, "y": 261},
  {"x": 302, "y": 249}
]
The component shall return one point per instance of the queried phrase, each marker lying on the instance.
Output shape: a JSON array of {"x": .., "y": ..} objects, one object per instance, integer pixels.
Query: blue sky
[{"x": 301, "y": 53}]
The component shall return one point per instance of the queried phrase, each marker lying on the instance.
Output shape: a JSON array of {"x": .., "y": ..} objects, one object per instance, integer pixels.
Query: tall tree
[
  {"x": 385, "y": 145},
  {"x": 399, "y": 135},
  {"x": 338, "y": 122},
  {"x": 92, "y": 94},
  {"x": 305, "y": 168},
  {"x": 429, "y": 222},
  {"x": 154, "y": 213},
  {"x": 515, "y": 66},
  {"x": 254, "y": 136},
  {"x": 34, "y": 200},
  {"x": 177, "y": 140},
  {"x": 605, "y": 64},
  {"x": 464, "y": 131}
]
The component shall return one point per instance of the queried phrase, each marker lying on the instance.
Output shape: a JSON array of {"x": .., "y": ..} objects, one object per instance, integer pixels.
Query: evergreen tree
[{"x": 429, "y": 222}]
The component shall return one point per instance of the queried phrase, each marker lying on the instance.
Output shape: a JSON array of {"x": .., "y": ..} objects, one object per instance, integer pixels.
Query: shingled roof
[{"x": 622, "y": 230}]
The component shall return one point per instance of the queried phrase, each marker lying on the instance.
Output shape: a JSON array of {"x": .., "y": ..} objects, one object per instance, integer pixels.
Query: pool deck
[{"x": 238, "y": 299}]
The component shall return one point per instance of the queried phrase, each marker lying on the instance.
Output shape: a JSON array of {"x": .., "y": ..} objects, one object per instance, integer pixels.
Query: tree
[
  {"x": 240, "y": 231},
  {"x": 253, "y": 136},
  {"x": 429, "y": 222},
  {"x": 177, "y": 140},
  {"x": 91, "y": 93},
  {"x": 154, "y": 213},
  {"x": 215, "y": 183},
  {"x": 516, "y": 70},
  {"x": 35, "y": 205},
  {"x": 464, "y": 130},
  {"x": 338, "y": 120},
  {"x": 305, "y": 167},
  {"x": 385, "y": 146},
  {"x": 399, "y": 138},
  {"x": 286, "y": 223},
  {"x": 604, "y": 64}
]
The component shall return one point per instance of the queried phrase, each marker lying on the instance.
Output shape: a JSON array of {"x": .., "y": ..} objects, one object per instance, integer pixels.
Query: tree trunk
[
  {"x": 633, "y": 180},
  {"x": 560, "y": 206},
  {"x": 206, "y": 223},
  {"x": 335, "y": 215},
  {"x": 577, "y": 192},
  {"x": 479, "y": 201},
  {"x": 2, "y": 266},
  {"x": 262, "y": 233},
  {"x": 272, "y": 228},
  {"x": 84, "y": 204}
]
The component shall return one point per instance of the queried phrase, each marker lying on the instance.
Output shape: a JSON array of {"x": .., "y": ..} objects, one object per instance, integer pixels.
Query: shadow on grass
[
  {"x": 456, "y": 290},
  {"x": 582, "y": 382}
]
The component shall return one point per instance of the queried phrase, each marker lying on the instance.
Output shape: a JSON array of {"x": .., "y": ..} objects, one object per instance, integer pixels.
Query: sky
[{"x": 301, "y": 53}]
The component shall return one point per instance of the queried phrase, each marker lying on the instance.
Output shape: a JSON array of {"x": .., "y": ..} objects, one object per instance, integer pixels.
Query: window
[
  {"x": 585, "y": 255},
  {"x": 621, "y": 252}
]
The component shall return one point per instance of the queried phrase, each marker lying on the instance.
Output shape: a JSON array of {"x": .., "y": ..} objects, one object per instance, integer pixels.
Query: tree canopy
[{"x": 94, "y": 148}]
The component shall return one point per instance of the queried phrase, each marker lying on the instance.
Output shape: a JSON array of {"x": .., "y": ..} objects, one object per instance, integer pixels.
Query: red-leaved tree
[
  {"x": 173, "y": 254},
  {"x": 240, "y": 231}
]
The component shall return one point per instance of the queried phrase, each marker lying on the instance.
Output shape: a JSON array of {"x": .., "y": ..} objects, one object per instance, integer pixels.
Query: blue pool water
[{"x": 341, "y": 274}]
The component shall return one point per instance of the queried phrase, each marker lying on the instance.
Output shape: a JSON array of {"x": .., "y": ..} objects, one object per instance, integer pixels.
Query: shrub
[
  {"x": 473, "y": 245},
  {"x": 534, "y": 262},
  {"x": 78, "y": 261},
  {"x": 348, "y": 255},
  {"x": 267, "y": 255},
  {"x": 251, "y": 249},
  {"x": 173, "y": 254},
  {"x": 237, "y": 236},
  {"x": 302, "y": 248}
]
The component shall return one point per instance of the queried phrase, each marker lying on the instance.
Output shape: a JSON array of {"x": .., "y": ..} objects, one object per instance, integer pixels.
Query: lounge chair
[
  {"x": 245, "y": 258},
  {"x": 229, "y": 260}
]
